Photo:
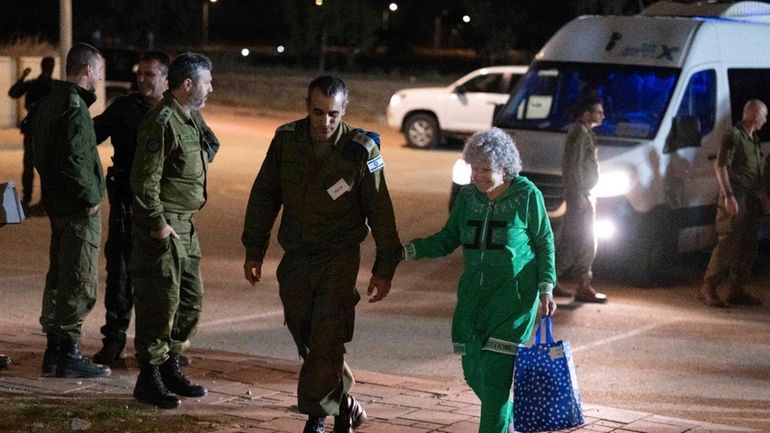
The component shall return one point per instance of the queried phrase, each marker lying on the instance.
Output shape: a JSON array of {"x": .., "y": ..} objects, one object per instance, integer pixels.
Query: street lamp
[{"x": 205, "y": 20}]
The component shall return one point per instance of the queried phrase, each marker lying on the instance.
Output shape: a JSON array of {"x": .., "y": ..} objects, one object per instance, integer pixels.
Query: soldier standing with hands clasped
[
  {"x": 168, "y": 179},
  {"x": 328, "y": 177}
]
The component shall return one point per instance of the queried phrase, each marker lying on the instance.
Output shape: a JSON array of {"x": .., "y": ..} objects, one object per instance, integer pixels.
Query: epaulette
[
  {"x": 365, "y": 141},
  {"x": 289, "y": 127},
  {"x": 74, "y": 100},
  {"x": 163, "y": 115}
]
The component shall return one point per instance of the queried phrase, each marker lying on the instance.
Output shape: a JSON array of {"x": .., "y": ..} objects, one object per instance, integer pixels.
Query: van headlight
[
  {"x": 461, "y": 172},
  {"x": 612, "y": 184}
]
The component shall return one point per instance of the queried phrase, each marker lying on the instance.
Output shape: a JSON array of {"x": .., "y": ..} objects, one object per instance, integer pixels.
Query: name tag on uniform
[{"x": 339, "y": 188}]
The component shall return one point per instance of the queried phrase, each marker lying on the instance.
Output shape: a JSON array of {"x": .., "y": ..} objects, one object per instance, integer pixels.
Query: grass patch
[{"x": 71, "y": 414}]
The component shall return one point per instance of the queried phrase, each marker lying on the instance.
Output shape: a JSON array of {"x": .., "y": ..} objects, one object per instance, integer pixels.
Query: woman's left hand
[{"x": 547, "y": 305}]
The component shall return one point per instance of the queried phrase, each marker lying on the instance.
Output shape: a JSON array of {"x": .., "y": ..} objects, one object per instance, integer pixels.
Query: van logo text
[{"x": 650, "y": 50}]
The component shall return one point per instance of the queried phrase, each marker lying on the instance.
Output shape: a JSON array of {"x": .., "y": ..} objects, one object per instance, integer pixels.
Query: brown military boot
[
  {"x": 708, "y": 295},
  {"x": 585, "y": 293}
]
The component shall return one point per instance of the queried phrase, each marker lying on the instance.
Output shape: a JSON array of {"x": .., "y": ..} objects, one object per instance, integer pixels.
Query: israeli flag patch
[{"x": 375, "y": 163}]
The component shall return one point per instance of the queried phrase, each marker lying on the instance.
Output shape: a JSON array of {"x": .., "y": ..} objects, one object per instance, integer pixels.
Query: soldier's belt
[{"x": 178, "y": 216}]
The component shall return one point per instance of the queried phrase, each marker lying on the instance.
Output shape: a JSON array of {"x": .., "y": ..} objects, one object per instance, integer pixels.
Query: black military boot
[
  {"x": 111, "y": 354},
  {"x": 175, "y": 380},
  {"x": 351, "y": 416},
  {"x": 314, "y": 424},
  {"x": 72, "y": 363},
  {"x": 150, "y": 389},
  {"x": 5, "y": 361},
  {"x": 51, "y": 355}
]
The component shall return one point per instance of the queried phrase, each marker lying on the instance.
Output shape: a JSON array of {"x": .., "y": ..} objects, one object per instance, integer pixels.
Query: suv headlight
[
  {"x": 612, "y": 184},
  {"x": 461, "y": 172},
  {"x": 395, "y": 100}
]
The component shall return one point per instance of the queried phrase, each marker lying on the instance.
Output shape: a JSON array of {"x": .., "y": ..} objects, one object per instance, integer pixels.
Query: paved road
[{"x": 652, "y": 350}]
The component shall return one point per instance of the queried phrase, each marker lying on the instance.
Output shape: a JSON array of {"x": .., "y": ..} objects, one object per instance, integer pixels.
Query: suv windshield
[{"x": 635, "y": 97}]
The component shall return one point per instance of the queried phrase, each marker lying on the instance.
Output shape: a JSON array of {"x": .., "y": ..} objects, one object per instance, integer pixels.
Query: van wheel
[
  {"x": 421, "y": 131},
  {"x": 651, "y": 260}
]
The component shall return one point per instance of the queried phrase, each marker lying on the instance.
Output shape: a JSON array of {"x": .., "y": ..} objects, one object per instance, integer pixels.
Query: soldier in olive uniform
[
  {"x": 35, "y": 90},
  {"x": 120, "y": 122},
  {"x": 329, "y": 179},
  {"x": 738, "y": 171},
  {"x": 576, "y": 249},
  {"x": 72, "y": 181},
  {"x": 168, "y": 178}
]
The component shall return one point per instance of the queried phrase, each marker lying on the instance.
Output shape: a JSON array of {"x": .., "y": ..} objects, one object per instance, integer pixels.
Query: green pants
[
  {"x": 490, "y": 375},
  {"x": 70, "y": 286},
  {"x": 736, "y": 249},
  {"x": 168, "y": 290},
  {"x": 576, "y": 249},
  {"x": 319, "y": 297}
]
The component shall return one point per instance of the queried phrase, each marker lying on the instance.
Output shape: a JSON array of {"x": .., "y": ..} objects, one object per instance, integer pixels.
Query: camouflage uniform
[
  {"x": 329, "y": 193},
  {"x": 72, "y": 181},
  {"x": 168, "y": 178}
]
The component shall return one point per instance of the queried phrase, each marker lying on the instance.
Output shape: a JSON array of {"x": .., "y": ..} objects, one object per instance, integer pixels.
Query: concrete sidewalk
[{"x": 258, "y": 394}]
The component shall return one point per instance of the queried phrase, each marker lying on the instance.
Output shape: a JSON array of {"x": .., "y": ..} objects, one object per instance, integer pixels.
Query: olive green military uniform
[
  {"x": 168, "y": 179},
  {"x": 580, "y": 171},
  {"x": 329, "y": 193},
  {"x": 736, "y": 249},
  {"x": 71, "y": 181}
]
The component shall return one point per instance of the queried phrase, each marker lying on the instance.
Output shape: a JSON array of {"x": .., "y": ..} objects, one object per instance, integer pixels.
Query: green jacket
[
  {"x": 741, "y": 153},
  {"x": 580, "y": 168},
  {"x": 170, "y": 165},
  {"x": 508, "y": 259},
  {"x": 64, "y": 148},
  {"x": 291, "y": 177}
]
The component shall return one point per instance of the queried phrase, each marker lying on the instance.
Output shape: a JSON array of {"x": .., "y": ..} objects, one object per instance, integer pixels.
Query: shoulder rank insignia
[
  {"x": 164, "y": 115},
  {"x": 153, "y": 145},
  {"x": 289, "y": 127},
  {"x": 74, "y": 100}
]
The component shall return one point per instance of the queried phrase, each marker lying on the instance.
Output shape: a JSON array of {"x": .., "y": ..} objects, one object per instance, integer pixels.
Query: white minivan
[{"x": 673, "y": 80}]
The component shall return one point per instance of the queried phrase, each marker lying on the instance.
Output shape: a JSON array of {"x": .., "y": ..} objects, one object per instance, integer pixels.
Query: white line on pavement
[{"x": 623, "y": 336}]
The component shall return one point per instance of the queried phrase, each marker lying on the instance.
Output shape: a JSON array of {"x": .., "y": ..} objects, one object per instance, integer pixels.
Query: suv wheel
[{"x": 421, "y": 131}]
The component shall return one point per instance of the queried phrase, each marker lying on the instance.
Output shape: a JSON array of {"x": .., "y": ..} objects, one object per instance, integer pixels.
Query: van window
[
  {"x": 700, "y": 100},
  {"x": 635, "y": 97},
  {"x": 747, "y": 84}
]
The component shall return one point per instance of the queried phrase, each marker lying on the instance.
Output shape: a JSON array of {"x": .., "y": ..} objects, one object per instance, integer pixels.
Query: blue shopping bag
[{"x": 545, "y": 387}]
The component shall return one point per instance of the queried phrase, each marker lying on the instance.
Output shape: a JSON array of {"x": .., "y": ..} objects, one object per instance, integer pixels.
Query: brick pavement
[{"x": 258, "y": 395}]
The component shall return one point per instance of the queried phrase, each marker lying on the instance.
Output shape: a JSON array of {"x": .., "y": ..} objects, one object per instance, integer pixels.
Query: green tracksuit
[{"x": 508, "y": 257}]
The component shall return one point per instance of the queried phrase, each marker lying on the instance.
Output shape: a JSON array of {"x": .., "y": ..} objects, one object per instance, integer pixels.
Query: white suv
[{"x": 428, "y": 115}]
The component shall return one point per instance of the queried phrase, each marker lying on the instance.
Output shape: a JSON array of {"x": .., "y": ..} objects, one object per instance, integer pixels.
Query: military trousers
[
  {"x": 490, "y": 376},
  {"x": 736, "y": 248},
  {"x": 28, "y": 170},
  {"x": 319, "y": 297},
  {"x": 576, "y": 248},
  {"x": 71, "y": 282},
  {"x": 168, "y": 290},
  {"x": 118, "y": 293}
]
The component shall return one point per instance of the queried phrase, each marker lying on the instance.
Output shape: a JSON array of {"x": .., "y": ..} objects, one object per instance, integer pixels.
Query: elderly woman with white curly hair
[{"x": 508, "y": 250}]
